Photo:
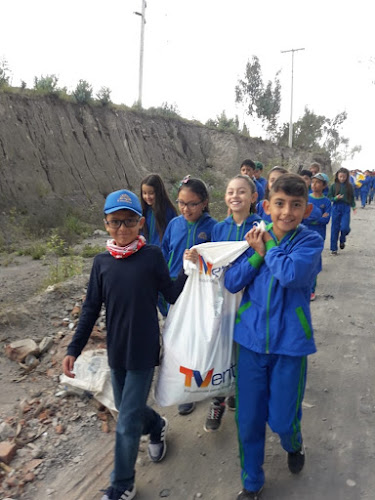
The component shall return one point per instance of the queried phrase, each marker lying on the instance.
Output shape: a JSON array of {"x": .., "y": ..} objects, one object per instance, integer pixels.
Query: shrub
[
  {"x": 104, "y": 96},
  {"x": 90, "y": 251},
  {"x": 4, "y": 73},
  {"x": 64, "y": 268},
  {"x": 83, "y": 92},
  {"x": 46, "y": 84}
]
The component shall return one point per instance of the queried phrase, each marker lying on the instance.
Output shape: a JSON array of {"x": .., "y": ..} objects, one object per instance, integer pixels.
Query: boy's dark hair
[
  {"x": 290, "y": 184},
  {"x": 248, "y": 163},
  {"x": 162, "y": 203},
  {"x": 349, "y": 187},
  {"x": 306, "y": 172},
  {"x": 196, "y": 186}
]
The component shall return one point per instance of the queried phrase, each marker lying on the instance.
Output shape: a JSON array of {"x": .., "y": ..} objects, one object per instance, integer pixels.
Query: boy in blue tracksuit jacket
[
  {"x": 273, "y": 329},
  {"x": 321, "y": 203}
]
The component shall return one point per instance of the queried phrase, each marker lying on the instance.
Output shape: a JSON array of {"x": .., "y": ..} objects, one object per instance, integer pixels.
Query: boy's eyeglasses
[
  {"x": 116, "y": 223},
  {"x": 191, "y": 204}
]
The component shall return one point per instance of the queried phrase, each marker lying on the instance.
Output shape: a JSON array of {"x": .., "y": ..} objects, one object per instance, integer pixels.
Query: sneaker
[
  {"x": 296, "y": 460},
  {"x": 334, "y": 252},
  {"x": 249, "y": 495},
  {"x": 113, "y": 494},
  {"x": 158, "y": 449},
  {"x": 312, "y": 297},
  {"x": 342, "y": 246},
  {"x": 215, "y": 414},
  {"x": 231, "y": 403},
  {"x": 186, "y": 408}
]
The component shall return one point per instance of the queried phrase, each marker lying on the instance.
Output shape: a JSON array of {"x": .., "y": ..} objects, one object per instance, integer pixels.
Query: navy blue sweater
[{"x": 129, "y": 289}]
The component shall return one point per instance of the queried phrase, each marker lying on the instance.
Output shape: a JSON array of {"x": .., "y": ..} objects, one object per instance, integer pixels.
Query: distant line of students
[{"x": 273, "y": 328}]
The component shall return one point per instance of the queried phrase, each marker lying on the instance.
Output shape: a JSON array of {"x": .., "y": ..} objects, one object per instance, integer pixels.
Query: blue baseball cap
[{"x": 122, "y": 200}]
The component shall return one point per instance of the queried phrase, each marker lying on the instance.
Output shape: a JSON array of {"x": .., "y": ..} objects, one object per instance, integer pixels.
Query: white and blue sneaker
[{"x": 157, "y": 449}]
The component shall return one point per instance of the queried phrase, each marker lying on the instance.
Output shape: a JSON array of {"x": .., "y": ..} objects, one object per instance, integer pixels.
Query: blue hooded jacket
[
  {"x": 180, "y": 235},
  {"x": 274, "y": 315},
  {"x": 227, "y": 230},
  {"x": 316, "y": 221}
]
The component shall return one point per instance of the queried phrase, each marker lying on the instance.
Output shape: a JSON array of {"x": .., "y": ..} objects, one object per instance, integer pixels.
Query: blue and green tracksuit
[
  {"x": 228, "y": 230},
  {"x": 340, "y": 221},
  {"x": 364, "y": 189},
  {"x": 274, "y": 333},
  {"x": 316, "y": 221},
  {"x": 179, "y": 236}
]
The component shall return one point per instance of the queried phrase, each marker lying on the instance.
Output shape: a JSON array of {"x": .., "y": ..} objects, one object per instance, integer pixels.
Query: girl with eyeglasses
[
  {"x": 157, "y": 208},
  {"x": 192, "y": 227}
]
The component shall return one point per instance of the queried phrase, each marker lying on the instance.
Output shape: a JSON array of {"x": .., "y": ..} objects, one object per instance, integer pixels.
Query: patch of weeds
[
  {"x": 56, "y": 245},
  {"x": 63, "y": 269},
  {"x": 36, "y": 251},
  {"x": 89, "y": 251},
  {"x": 73, "y": 228}
]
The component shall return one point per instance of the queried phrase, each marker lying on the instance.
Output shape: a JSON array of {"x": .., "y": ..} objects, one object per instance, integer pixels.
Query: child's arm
[
  {"x": 170, "y": 289},
  {"x": 90, "y": 312},
  {"x": 246, "y": 267},
  {"x": 296, "y": 268}
]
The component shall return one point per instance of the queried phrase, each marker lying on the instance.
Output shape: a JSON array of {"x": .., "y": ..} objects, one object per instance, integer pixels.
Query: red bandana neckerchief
[{"x": 123, "y": 252}]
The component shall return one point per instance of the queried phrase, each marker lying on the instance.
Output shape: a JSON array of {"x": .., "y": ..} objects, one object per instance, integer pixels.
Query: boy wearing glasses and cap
[{"x": 127, "y": 279}]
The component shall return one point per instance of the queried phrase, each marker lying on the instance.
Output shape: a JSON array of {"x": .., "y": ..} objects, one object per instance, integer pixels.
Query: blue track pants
[
  {"x": 270, "y": 388},
  {"x": 340, "y": 224}
]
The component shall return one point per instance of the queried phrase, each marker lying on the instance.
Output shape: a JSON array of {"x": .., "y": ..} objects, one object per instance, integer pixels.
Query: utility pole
[
  {"x": 143, "y": 22},
  {"x": 291, "y": 99}
]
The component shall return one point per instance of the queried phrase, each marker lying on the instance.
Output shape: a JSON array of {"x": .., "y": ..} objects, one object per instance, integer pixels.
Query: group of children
[{"x": 142, "y": 269}]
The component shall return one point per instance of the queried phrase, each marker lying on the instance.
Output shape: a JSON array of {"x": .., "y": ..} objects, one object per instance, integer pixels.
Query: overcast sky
[{"x": 196, "y": 50}]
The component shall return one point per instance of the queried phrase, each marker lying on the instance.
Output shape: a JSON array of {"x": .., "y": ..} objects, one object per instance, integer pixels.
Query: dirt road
[{"x": 338, "y": 421}]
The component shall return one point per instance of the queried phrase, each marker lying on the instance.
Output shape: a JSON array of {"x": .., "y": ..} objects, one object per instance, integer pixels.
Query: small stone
[
  {"x": 59, "y": 429},
  {"x": 7, "y": 451},
  {"x": 351, "y": 483},
  {"x": 29, "y": 477},
  {"x": 199, "y": 495},
  {"x": 164, "y": 493},
  {"x": 45, "y": 344},
  {"x": 18, "y": 350}
]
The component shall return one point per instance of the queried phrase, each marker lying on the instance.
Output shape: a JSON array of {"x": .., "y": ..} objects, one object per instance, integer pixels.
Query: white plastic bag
[
  {"x": 93, "y": 375},
  {"x": 197, "y": 360}
]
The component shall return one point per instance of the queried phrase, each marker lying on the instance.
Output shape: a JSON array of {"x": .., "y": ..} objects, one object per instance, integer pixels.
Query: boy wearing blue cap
[{"x": 127, "y": 279}]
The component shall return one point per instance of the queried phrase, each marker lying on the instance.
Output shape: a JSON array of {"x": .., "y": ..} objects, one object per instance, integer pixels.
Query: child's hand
[
  {"x": 191, "y": 255},
  {"x": 355, "y": 211},
  {"x": 326, "y": 214},
  {"x": 339, "y": 196},
  {"x": 255, "y": 240},
  {"x": 68, "y": 365}
]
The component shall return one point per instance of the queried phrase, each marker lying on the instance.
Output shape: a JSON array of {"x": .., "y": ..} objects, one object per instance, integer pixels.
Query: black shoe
[
  {"x": 249, "y": 495},
  {"x": 342, "y": 246},
  {"x": 186, "y": 408},
  {"x": 231, "y": 403},
  {"x": 296, "y": 460},
  {"x": 215, "y": 414}
]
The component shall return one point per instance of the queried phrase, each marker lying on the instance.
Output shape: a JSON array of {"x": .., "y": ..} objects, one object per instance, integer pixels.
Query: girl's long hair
[
  {"x": 161, "y": 205},
  {"x": 349, "y": 187}
]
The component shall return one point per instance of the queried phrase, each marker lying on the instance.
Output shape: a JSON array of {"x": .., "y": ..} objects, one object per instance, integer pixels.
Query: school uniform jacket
[
  {"x": 129, "y": 290},
  {"x": 228, "y": 230},
  {"x": 274, "y": 315},
  {"x": 181, "y": 235},
  {"x": 316, "y": 221}
]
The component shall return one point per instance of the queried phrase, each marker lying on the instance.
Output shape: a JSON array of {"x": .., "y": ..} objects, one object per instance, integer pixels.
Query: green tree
[
  {"x": 258, "y": 99},
  {"x": 83, "y": 92},
  {"x": 4, "y": 73},
  {"x": 46, "y": 84},
  {"x": 104, "y": 95},
  {"x": 223, "y": 123}
]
